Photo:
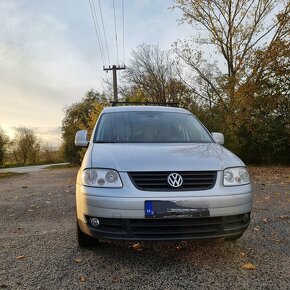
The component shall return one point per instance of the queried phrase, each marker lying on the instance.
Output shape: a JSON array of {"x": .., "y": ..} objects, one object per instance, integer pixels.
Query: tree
[
  {"x": 50, "y": 154},
  {"x": 80, "y": 116},
  {"x": 234, "y": 30},
  {"x": 248, "y": 97},
  {"x": 26, "y": 146},
  {"x": 153, "y": 76},
  {"x": 4, "y": 141},
  {"x": 265, "y": 107}
]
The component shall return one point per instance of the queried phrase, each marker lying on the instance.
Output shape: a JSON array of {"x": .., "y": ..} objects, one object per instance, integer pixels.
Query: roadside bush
[
  {"x": 4, "y": 141},
  {"x": 26, "y": 146},
  {"x": 80, "y": 116}
]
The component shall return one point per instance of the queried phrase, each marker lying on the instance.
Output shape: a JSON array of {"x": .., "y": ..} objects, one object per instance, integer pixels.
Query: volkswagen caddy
[{"x": 156, "y": 173}]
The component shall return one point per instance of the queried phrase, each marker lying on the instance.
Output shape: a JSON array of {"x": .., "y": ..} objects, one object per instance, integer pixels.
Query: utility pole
[{"x": 114, "y": 68}]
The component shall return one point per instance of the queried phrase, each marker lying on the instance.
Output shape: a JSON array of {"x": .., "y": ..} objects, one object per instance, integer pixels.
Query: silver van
[{"x": 156, "y": 173}]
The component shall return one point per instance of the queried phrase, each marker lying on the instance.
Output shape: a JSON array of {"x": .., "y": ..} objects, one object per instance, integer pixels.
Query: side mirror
[
  {"x": 81, "y": 138},
  {"x": 218, "y": 138}
]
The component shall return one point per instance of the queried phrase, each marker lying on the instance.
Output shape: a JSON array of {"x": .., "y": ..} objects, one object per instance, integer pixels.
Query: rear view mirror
[
  {"x": 81, "y": 138},
  {"x": 218, "y": 138}
]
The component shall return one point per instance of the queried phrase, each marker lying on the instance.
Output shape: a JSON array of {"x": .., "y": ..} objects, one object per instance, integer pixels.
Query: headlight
[
  {"x": 101, "y": 178},
  {"x": 236, "y": 176}
]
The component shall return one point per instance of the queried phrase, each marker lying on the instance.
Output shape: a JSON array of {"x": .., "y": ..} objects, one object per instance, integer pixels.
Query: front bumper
[
  {"x": 122, "y": 215},
  {"x": 168, "y": 229}
]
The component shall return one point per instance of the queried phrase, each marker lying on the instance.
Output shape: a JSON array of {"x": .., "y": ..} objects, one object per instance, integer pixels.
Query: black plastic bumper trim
[{"x": 168, "y": 229}]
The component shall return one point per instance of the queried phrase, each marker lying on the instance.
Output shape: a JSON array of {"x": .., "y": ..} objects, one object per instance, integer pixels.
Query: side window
[{"x": 104, "y": 130}]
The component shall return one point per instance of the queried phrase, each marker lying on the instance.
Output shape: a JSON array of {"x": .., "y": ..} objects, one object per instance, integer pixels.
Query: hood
[{"x": 163, "y": 157}]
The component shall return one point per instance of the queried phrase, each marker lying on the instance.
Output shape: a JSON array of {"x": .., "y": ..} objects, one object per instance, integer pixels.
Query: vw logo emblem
[{"x": 174, "y": 180}]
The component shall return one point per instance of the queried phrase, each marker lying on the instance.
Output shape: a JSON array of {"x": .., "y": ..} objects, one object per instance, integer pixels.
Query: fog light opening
[
  {"x": 94, "y": 222},
  {"x": 246, "y": 218}
]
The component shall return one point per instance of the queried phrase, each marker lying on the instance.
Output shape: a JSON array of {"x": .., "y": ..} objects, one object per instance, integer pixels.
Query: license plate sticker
[
  {"x": 149, "y": 208},
  {"x": 173, "y": 209}
]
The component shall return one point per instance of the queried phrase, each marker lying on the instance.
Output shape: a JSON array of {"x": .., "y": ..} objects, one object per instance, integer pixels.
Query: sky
[{"x": 50, "y": 57}]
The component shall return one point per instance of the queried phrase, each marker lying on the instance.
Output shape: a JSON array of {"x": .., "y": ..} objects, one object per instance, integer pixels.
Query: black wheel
[
  {"x": 234, "y": 238},
  {"x": 84, "y": 240}
]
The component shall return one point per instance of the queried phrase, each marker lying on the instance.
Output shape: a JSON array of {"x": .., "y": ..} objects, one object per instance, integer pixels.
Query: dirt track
[{"x": 38, "y": 249}]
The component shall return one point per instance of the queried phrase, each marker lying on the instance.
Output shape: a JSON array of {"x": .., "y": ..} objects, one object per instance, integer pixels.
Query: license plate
[{"x": 172, "y": 209}]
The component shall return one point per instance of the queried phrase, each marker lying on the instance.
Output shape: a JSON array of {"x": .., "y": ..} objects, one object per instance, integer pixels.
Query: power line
[
  {"x": 113, "y": 68},
  {"x": 97, "y": 29},
  {"x": 116, "y": 36},
  {"x": 104, "y": 31},
  {"x": 123, "y": 16}
]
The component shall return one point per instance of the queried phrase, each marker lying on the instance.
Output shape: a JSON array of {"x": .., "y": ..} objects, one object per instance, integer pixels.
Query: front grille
[
  {"x": 157, "y": 180},
  {"x": 175, "y": 229}
]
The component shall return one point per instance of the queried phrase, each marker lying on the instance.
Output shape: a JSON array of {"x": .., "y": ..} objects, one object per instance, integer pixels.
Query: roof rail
[{"x": 114, "y": 104}]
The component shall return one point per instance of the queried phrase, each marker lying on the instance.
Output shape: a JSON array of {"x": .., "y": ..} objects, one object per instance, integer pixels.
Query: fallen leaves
[
  {"x": 116, "y": 280},
  {"x": 265, "y": 220},
  {"x": 271, "y": 174},
  {"x": 249, "y": 266},
  {"x": 20, "y": 257},
  {"x": 283, "y": 217},
  {"x": 181, "y": 245},
  {"x": 242, "y": 254},
  {"x": 18, "y": 230},
  {"x": 83, "y": 278},
  {"x": 78, "y": 260},
  {"x": 137, "y": 247}
]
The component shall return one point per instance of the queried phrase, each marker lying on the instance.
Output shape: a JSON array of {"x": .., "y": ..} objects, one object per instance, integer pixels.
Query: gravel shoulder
[{"x": 38, "y": 248}]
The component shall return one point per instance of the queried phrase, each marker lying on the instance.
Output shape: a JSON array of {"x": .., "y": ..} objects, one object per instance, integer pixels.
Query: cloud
[
  {"x": 50, "y": 136},
  {"x": 42, "y": 69},
  {"x": 49, "y": 53},
  {"x": 37, "y": 54}
]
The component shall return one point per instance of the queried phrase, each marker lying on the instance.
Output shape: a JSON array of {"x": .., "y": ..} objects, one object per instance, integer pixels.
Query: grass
[
  {"x": 70, "y": 165},
  {"x": 9, "y": 174}
]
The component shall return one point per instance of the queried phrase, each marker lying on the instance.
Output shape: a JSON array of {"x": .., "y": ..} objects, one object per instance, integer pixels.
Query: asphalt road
[
  {"x": 38, "y": 248},
  {"x": 31, "y": 168}
]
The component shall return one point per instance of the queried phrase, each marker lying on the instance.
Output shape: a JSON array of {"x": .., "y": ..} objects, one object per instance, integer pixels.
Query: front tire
[{"x": 85, "y": 241}]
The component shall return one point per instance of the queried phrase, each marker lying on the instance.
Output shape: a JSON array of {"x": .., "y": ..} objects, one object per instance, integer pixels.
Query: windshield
[{"x": 150, "y": 127}]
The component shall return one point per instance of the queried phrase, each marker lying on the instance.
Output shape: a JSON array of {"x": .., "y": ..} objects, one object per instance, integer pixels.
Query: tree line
[
  {"x": 25, "y": 148},
  {"x": 233, "y": 74}
]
